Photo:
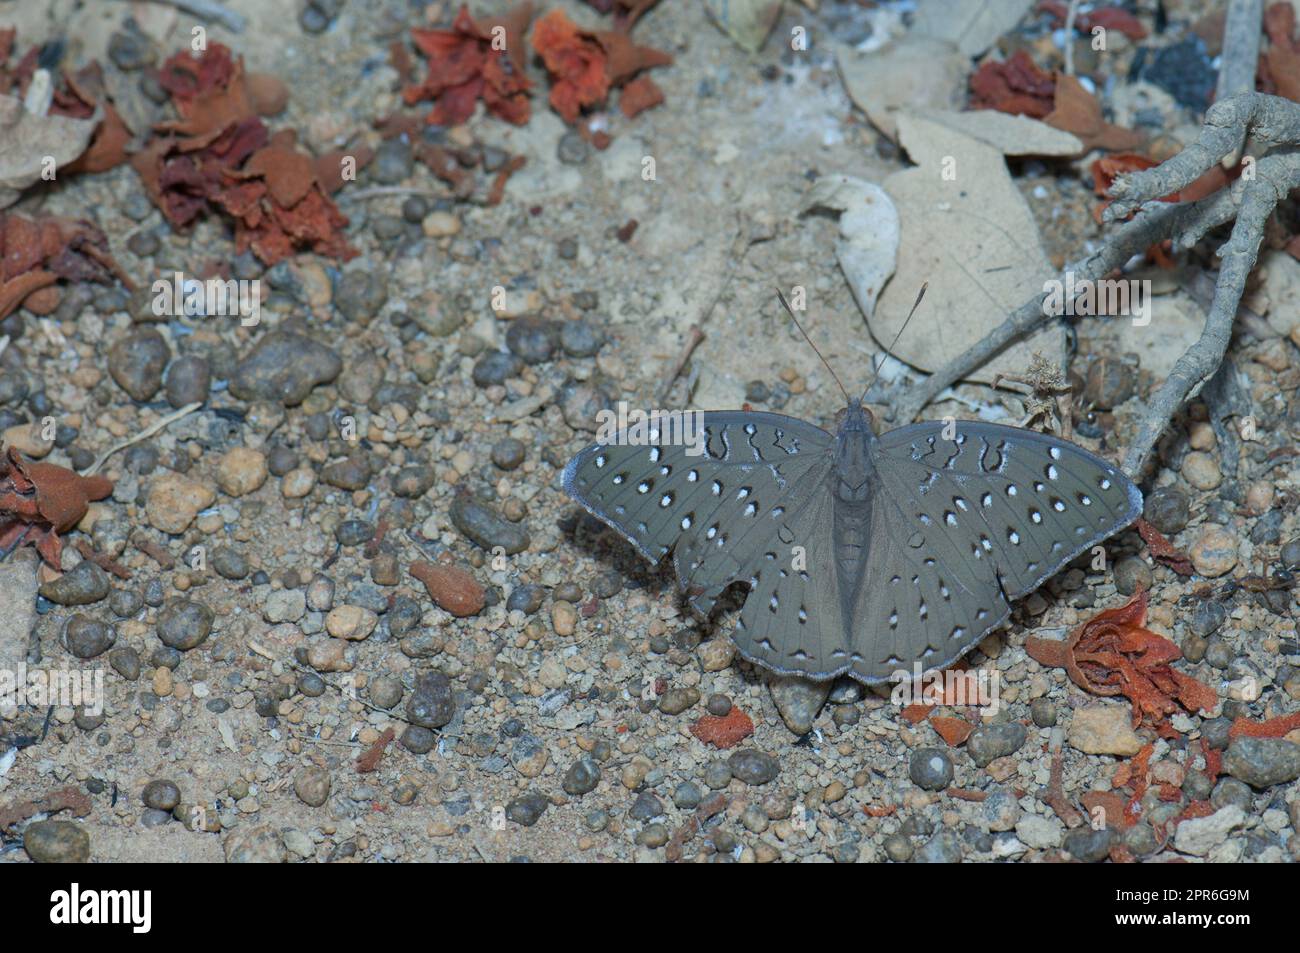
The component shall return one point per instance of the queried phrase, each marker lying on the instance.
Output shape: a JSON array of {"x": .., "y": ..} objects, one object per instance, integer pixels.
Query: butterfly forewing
[{"x": 720, "y": 510}]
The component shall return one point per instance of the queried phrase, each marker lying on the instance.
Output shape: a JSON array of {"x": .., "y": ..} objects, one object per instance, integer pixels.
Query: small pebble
[
  {"x": 1201, "y": 470},
  {"x": 57, "y": 842},
  {"x": 1215, "y": 552},
  {"x": 161, "y": 795},
  {"x": 753, "y": 767},
  {"x": 312, "y": 785},
  {"x": 930, "y": 768},
  {"x": 1167, "y": 509}
]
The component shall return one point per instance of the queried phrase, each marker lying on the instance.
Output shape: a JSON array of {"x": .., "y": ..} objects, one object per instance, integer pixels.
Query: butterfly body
[{"x": 863, "y": 554}]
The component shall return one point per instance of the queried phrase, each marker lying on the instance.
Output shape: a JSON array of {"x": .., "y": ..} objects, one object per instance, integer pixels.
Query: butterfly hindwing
[{"x": 792, "y": 620}]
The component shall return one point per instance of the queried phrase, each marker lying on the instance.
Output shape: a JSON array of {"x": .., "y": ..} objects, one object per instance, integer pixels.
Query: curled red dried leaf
[
  {"x": 576, "y": 64},
  {"x": 78, "y": 94},
  {"x": 220, "y": 156},
  {"x": 1137, "y": 774},
  {"x": 1113, "y": 654},
  {"x": 1078, "y": 112},
  {"x": 39, "y": 501},
  {"x": 1163, "y": 550},
  {"x": 35, "y": 253},
  {"x": 1272, "y": 728},
  {"x": 916, "y": 713},
  {"x": 1015, "y": 86},
  {"x": 1196, "y": 809},
  {"x": 208, "y": 92},
  {"x": 625, "y": 59},
  {"x": 584, "y": 66},
  {"x": 1111, "y": 806},
  {"x": 1279, "y": 65},
  {"x": 1213, "y": 759},
  {"x": 370, "y": 758},
  {"x": 475, "y": 59},
  {"x": 1108, "y": 168},
  {"x": 289, "y": 175},
  {"x": 639, "y": 95},
  {"x": 954, "y": 731},
  {"x": 1108, "y": 18}
]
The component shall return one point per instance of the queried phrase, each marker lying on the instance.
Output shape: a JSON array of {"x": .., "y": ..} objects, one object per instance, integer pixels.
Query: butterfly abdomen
[{"x": 851, "y": 532}]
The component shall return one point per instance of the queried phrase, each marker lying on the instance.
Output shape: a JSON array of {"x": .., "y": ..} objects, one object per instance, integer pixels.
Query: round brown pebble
[
  {"x": 451, "y": 588},
  {"x": 57, "y": 842},
  {"x": 312, "y": 785},
  {"x": 1201, "y": 470},
  {"x": 1215, "y": 552}
]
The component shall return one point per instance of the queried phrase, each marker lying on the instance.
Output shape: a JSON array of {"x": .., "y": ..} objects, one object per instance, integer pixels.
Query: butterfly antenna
[
  {"x": 790, "y": 311},
  {"x": 890, "y": 350}
]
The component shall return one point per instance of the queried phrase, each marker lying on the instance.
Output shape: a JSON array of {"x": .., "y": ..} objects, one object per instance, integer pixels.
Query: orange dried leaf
[
  {"x": 1108, "y": 18},
  {"x": 1279, "y": 65},
  {"x": 584, "y": 66},
  {"x": 954, "y": 731},
  {"x": 329, "y": 167},
  {"x": 1108, "y": 168},
  {"x": 369, "y": 759},
  {"x": 39, "y": 501},
  {"x": 916, "y": 713},
  {"x": 625, "y": 59},
  {"x": 289, "y": 174},
  {"x": 1077, "y": 111},
  {"x": 1052, "y": 653},
  {"x": 1197, "y": 809},
  {"x": 1272, "y": 728},
  {"x": 1113, "y": 654},
  {"x": 723, "y": 731},
  {"x": 475, "y": 59},
  {"x": 1016, "y": 86},
  {"x": 575, "y": 61},
  {"x": 1163, "y": 550},
  {"x": 639, "y": 95},
  {"x": 1112, "y": 806}
]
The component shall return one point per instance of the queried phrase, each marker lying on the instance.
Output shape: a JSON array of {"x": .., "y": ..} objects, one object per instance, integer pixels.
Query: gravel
[{"x": 549, "y": 694}]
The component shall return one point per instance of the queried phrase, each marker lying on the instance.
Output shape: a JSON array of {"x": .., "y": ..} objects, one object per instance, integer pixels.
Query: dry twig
[
  {"x": 142, "y": 435},
  {"x": 1240, "y": 57},
  {"x": 1273, "y": 123}
]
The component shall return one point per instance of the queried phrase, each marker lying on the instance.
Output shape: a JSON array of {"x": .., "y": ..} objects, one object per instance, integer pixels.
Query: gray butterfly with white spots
[{"x": 862, "y": 553}]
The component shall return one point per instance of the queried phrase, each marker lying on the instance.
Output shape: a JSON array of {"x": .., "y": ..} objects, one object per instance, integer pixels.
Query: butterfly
[{"x": 863, "y": 554}]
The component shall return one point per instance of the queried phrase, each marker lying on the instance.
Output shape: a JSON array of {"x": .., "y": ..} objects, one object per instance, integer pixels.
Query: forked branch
[{"x": 1267, "y": 121}]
